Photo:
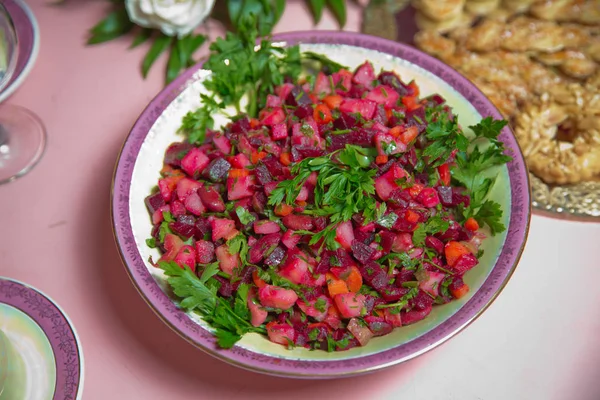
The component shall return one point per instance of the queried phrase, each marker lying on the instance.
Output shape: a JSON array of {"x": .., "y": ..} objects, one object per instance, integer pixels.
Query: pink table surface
[{"x": 539, "y": 340}]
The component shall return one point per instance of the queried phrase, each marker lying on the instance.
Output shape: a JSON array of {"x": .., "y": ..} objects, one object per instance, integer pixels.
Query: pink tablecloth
[{"x": 539, "y": 340}]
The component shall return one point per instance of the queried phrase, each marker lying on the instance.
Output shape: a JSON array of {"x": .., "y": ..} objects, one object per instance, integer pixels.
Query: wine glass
[{"x": 22, "y": 133}]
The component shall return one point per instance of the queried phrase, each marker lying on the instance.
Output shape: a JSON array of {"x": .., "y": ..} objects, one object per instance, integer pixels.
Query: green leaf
[
  {"x": 279, "y": 8},
  {"x": 174, "y": 64},
  {"x": 244, "y": 215},
  {"x": 160, "y": 45},
  {"x": 316, "y": 7},
  {"x": 141, "y": 37},
  {"x": 338, "y": 7},
  {"x": 151, "y": 242},
  {"x": 490, "y": 214},
  {"x": 117, "y": 22}
]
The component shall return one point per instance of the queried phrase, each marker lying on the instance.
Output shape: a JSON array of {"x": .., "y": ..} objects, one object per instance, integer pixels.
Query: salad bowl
[{"x": 138, "y": 169}]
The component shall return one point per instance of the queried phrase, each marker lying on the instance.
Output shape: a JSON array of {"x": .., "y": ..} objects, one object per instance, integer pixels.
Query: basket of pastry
[{"x": 538, "y": 61}]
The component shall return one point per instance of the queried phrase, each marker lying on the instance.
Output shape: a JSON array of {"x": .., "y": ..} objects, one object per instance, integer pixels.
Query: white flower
[{"x": 172, "y": 17}]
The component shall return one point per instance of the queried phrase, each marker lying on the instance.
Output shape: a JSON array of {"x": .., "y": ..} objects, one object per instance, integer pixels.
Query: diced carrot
[
  {"x": 313, "y": 97},
  {"x": 322, "y": 114},
  {"x": 257, "y": 281},
  {"x": 283, "y": 209},
  {"x": 396, "y": 131},
  {"x": 453, "y": 251},
  {"x": 444, "y": 171},
  {"x": 409, "y": 135},
  {"x": 411, "y": 216},
  {"x": 415, "y": 189},
  {"x": 301, "y": 203},
  {"x": 410, "y": 102},
  {"x": 167, "y": 170},
  {"x": 460, "y": 292},
  {"x": 333, "y": 101},
  {"x": 472, "y": 224},
  {"x": 335, "y": 286},
  {"x": 388, "y": 113},
  {"x": 257, "y": 156},
  {"x": 381, "y": 159},
  {"x": 285, "y": 158},
  {"x": 238, "y": 172},
  {"x": 354, "y": 280},
  {"x": 415, "y": 88},
  {"x": 254, "y": 123},
  {"x": 233, "y": 233}
]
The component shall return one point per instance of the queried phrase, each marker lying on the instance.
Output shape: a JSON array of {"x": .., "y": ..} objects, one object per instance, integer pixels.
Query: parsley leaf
[
  {"x": 432, "y": 226},
  {"x": 244, "y": 215},
  {"x": 239, "y": 245},
  {"x": 445, "y": 136},
  {"x": 198, "y": 295}
]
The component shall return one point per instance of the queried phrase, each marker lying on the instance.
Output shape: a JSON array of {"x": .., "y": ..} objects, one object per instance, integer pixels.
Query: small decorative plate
[
  {"x": 395, "y": 20},
  {"x": 40, "y": 353},
  {"x": 27, "y": 44},
  {"x": 138, "y": 169}
]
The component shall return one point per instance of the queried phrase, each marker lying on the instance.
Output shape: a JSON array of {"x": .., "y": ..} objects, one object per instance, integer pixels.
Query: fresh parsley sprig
[
  {"x": 199, "y": 294},
  {"x": 472, "y": 169}
]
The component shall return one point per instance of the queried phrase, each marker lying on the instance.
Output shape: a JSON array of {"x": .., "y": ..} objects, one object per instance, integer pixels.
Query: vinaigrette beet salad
[{"x": 339, "y": 206}]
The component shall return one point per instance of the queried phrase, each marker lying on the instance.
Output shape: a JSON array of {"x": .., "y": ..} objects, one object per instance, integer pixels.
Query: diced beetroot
[
  {"x": 184, "y": 225},
  {"x": 258, "y": 315},
  {"x": 316, "y": 282},
  {"x": 297, "y": 97},
  {"x": 385, "y": 95},
  {"x": 166, "y": 187},
  {"x": 227, "y": 262},
  {"x": 364, "y": 75},
  {"x": 430, "y": 281},
  {"x": 384, "y": 187},
  {"x": 177, "y": 208},
  {"x": 158, "y": 217},
  {"x": 239, "y": 161},
  {"x": 239, "y": 188},
  {"x": 306, "y": 133},
  {"x": 205, "y": 251},
  {"x": 221, "y": 227},
  {"x": 257, "y": 252},
  {"x": 413, "y": 316},
  {"x": 350, "y": 304},
  {"x": 276, "y": 257},
  {"x": 277, "y": 297},
  {"x": 295, "y": 268},
  {"x": 284, "y": 90},
  {"x": 362, "y": 333},
  {"x": 194, "y": 162},
  {"x": 202, "y": 227},
  {"x": 322, "y": 85},
  {"x": 281, "y": 333},
  {"x": 465, "y": 263},
  {"x": 428, "y": 197},
  {"x": 303, "y": 195},
  {"x": 175, "y": 152},
  {"x": 194, "y": 205},
  {"x": 222, "y": 143},
  {"x": 275, "y": 116},
  {"x": 217, "y": 170},
  {"x": 172, "y": 246},
  {"x": 387, "y": 145},
  {"x": 391, "y": 79},
  {"x": 333, "y": 318},
  {"x": 366, "y": 108},
  {"x": 402, "y": 243},
  {"x": 434, "y": 243},
  {"x": 392, "y": 293},
  {"x": 186, "y": 256},
  {"x": 387, "y": 239},
  {"x": 298, "y": 222},
  {"x": 290, "y": 240},
  {"x": 316, "y": 308},
  {"x": 342, "y": 81},
  {"x": 273, "y": 101},
  {"x": 374, "y": 275},
  {"x": 416, "y": 117},
  {"x": 378, "y": 325},
  {"x": 154, "y": 202},
  {"x": 265, "y": 227},
  {"x": 393, "y": 318},
  {"x": 344, "y": 234},
  {"x": 211, "y": 199},
  {"x": 279, "y": 131},
  {"x": 361, "y": 251},
  {"x": 269, "y": 187},
  {"x": 304, "y": 112}
]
